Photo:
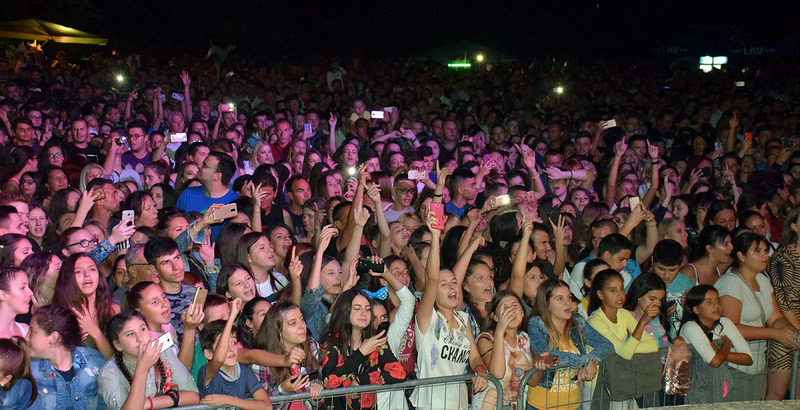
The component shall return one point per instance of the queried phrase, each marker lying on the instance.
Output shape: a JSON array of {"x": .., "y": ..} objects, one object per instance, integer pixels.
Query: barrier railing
[{"x": 404, "y": 387}]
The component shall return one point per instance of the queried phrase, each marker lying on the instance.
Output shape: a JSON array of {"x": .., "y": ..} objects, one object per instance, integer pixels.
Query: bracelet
[
  {"x": 175, "y": 396},
  {"x": 480, "y": 367},
  {"x": 436, "y": 195},
  {"x": 570, "y": 174},
  {"x": 151, "y": 403}
]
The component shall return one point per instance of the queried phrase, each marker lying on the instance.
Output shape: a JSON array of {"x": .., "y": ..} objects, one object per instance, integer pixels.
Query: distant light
[
  {"x": 559, "y": 90},
  {"x": 479, "y": 57},
  {"x": 706, "y": 60},
  {"x": 120, "y": 77},
  {"x": 721, "y": 60},
  {"x": 708, "y": 63},
  {"x": 459, "y": 64}
]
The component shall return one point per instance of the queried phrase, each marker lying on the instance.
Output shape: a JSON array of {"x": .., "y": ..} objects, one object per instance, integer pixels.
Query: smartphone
[
  {"x": 313, "y": 375},
  {"x": 416, "y": 175},
  {"x": 225, "y": 212},
  {"x": 468, "y": 138},
  {"x": 740, "y": 83},
  {"x": 609, "y": 124},
  {"x": 504, "y": 199},
  {"x": 352, "y": 171},
  {"x": 200, "y": 295},
  {"x": 178, "y": 137},
  {"x": 365, "y": 265},
  {"x": 127, "y": 216},
  {"x": 307, "y": 127},
  {"x": 99, "y": 194},
  {"x": 224, "y": 107},
  {"x": 551, "y": 360},
  {"x": 788, "y": 143},
  {"x": 748, "y": 137},
  {"x": 163, "y": 97},
  {"x": 383, "y": 327},
  {"x": 717, "y": 146},
  {"x": 376, "y": 114},
  {"x": 388, "y": 109},
  {"x": 634, "y": 202},
  {"x": 705, "y": 172},
  {"x": 166, "y": 341},
  {"x": 438, "y": 210},
  {"x": 177, "y": 96}
]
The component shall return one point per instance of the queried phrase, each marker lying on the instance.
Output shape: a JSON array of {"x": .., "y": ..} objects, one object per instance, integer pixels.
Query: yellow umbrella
[{"x": 40, "y": 30}]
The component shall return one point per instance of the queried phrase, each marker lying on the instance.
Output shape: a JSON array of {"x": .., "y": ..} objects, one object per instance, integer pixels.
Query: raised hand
[
  {"x": 295, "y": 356},
  {"x": 555, "y": 173},
  {"x": 149, "y": 353},
  {"x": 652, "y": 150},
  {"x": 206, "y": 251},
  {"x": 332, "y": 123},
  {"x": 374, "y": 193},
  {"x": 361, "y": 216},
  {"x": 368, "y": 346},
  {"x": 620, "y": 147},
  {"x": 192, "y": 317},
  {"x": 328, "y": 232},
  {"x": 559, "y": 230},
  {"x": 295, "y": 266},
  {"x": 122, "y": 231},
  {"x": 186, "y": 78},
  {"x": 236, "y": 307}
]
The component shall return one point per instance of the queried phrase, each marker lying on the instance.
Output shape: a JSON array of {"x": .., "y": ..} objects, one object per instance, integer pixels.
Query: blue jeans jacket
[
  {"x": 18, "y": 397},
  {"x": 81, "y": 393},
  {"x": 315, "y": 311},
  {"x": 582, "y": 336}
]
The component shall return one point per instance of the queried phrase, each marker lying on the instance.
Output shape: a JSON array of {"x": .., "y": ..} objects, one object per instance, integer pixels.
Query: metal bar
[{"x": 793, "y": 385}]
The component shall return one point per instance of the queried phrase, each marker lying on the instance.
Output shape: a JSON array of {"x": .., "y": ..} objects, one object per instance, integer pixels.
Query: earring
[{"x": 51, "y": 345}]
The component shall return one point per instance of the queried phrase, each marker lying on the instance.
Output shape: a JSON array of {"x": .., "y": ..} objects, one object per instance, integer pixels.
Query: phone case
[
  {"x": 166, "y": 341},
  {"x": 438, "y": 210},
  {"x": 200, "y": 296},
  {"x": 227, "y": 211}
]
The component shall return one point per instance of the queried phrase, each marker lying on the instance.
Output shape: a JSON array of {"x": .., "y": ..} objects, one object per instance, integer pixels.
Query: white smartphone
[
  {"x": 634, "y": 202},
  {"x": 127, "y": 216},
  {"x": 166, "y": 341},
  {"x": 177, "y": 96},
  {"x": 609, "y": 124},
  {"x": 376, "y": 114},
  {"x": 178, "y": 137},
  {"x": 416, "y": 175},
  {"x": 388, "y": 109},
  {"x": 503, "y": 199}
]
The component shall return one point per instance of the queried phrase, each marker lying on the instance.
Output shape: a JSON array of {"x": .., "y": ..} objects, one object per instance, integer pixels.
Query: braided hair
[{"x": 113, "y": 330}]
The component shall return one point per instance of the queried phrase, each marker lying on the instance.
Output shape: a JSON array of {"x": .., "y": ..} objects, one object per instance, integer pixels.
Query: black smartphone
[
  {"x": 383, "y": 327},
  {"x": 313, "y": 375},
  {"x": 365, "y": 265},
  {"x": 705, "y": 172}
]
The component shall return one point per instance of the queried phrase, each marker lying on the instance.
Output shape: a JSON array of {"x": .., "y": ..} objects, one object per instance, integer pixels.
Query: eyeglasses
[
  {"x": 85, "y": 242},
  {"x": 28, "y": 181},
  {"x": 210, "y": 167},
  {"x": 56, "y": 155}
]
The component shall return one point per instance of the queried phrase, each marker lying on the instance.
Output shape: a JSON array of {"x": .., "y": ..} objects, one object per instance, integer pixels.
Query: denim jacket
[
  {"x": 315, "y": 311},
  {"x": 582, "y": 336},
  {"x": 18, "y": 397},
  {"x": 54, "y": 392}
]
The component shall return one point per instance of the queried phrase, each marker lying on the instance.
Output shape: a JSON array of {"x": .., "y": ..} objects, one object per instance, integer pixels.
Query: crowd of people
[{"x": 221, "y": 232}]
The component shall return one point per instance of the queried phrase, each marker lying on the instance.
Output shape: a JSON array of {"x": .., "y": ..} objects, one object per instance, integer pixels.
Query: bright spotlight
[
  {"x": 559, "y": 90},
  {"x": 120, "y": 77},
  {"x": 479, "y": 57}
]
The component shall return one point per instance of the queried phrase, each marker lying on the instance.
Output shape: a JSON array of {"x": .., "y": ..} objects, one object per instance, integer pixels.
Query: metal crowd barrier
[
  {"x": 406, "y": 386},
  {"x": 657, "y": 399}
]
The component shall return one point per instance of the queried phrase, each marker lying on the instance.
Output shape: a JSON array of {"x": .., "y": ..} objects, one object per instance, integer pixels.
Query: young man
[
  {"x": 80, "y": 142},
  {"x": 667, "y": 259},
  {"x": 103, "y": 209},
  {"x": 463, "y": 190},
  {"x": 615, "y": 249},
  {"x": 298, "y": 192},
  {"x": 139, "y": 141},
  {"x": 214, "y": 174},
  {"x": 163, "y": 254},
  {"x": 11, "y": 221}
]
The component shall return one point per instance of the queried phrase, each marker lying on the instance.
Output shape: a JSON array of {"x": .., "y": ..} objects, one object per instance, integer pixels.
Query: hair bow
[{"x": 381, "y": 293}]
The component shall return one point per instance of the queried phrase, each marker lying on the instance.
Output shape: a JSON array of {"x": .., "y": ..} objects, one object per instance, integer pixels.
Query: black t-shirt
[
  {"x": 274, "y": 217},
  {"x": 297, "y": 221},
  {"x": 92, "y": 152}
]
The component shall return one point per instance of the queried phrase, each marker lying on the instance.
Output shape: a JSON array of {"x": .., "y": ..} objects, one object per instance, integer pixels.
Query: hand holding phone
[
  {"x": 225, "y": 212},
  {"x": 438, "y": 210},
  {"x": 165, "y": 340},
  {"x": 376, "y": 114}
]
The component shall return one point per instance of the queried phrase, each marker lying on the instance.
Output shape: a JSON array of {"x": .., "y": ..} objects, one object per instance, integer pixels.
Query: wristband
[
  {"x": 151, "y": 402},
  {"x": 436, "y": 195},
  {"x": 480, "y": 367},
  {"x": 175, "y": 396}
]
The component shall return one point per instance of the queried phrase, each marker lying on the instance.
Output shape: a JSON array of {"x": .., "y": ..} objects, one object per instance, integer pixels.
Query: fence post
[{"x": 793, "y": 386}]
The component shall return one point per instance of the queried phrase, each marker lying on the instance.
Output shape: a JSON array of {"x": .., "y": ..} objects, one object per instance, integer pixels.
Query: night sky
[{"x": 306, "y": 29}]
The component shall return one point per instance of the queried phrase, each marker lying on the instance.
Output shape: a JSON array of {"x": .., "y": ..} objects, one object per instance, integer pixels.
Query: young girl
[
  {"x": 504, "y": 346},
  {"x": 646, "y": 289},
  {"x": 236, "y": 281},
  {"x": 223, "y": 381},
  {"x": 555, "y": 330},
  {"x": 631, "y": 343},
  {"x": 150, "y": 300},
  {"x": 15, "y": 299},
  {"x": 444, "y": 338},
  {"x": 250, "y": 319},
  {"x": 17, "y": 385},
  {"x": 14, "y": 248},
  {"x": 321, "y": 283},
  {"x": 81, "y": 289},
  {"x": 256, "y": 252},
  {"x": 352, "y": 355},
  {"x": 282, "y": 332},
  {"x": 64, "y": 370},
  {"x": 713, "y": 340},
  {"x": 139, "y": 376},
  {"x": 712, "y": 258}
]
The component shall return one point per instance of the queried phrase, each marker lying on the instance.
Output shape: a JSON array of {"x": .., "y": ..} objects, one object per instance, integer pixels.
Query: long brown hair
[
  {"x": 68, "y": 294},
  {"x": 491, "y": 324},
  {"x": 15, "y": 360},
  {"x": 541, "y": 308},
  {"x": 270, "y": 338},
  {"x": 789, "y": 236}
]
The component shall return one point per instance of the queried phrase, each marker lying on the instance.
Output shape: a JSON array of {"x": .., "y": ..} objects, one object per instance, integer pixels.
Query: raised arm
[
  {"x": 529, "y": 159},
  {"x": 374, "y": 193},
  {"x": 113, "y": 161},
  {"x": 655, "y": 165},
  {"x": 223, "y": 343},
  {"x": 332, "y": 121},
  {"x": 441, "y": 179},
  {"x": 360, "y": 216},
  {"x": 131, "y": 98},
  {"x": 325, "y": 236},
  {"x": 425, "y": 308},
  {"x": 560, "y": 262},
  {"x": 611, "y": 185},
  {"x": 258, "y": 196},
  {"x": 186, "y": 104},
  {"x": 517, "y": 282}
]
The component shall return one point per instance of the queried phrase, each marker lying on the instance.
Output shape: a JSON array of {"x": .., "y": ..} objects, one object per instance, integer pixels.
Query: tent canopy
[
  {"x": 43, "y": 31},
  {"x": 459, "y": 50}
]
